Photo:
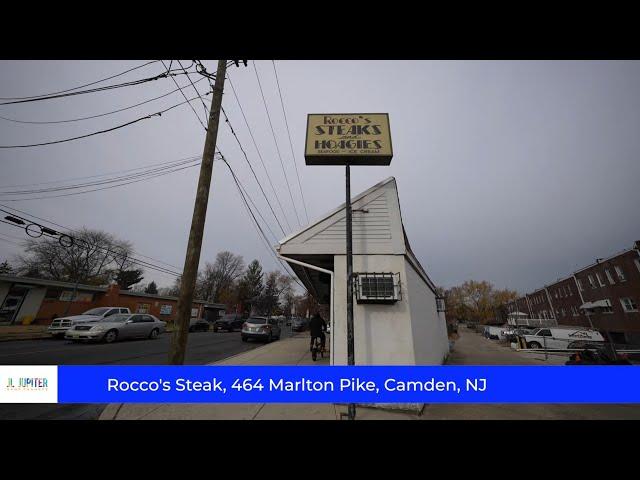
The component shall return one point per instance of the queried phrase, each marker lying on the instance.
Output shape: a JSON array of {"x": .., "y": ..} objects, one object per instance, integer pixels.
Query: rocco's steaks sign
[{"x": 357, "y": 138}]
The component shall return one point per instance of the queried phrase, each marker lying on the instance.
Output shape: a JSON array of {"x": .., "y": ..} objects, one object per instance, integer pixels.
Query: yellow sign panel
[{"x": 357, "y": 138}]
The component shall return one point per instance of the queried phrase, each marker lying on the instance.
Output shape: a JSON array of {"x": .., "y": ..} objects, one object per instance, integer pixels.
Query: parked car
[
  {"x": 298, "y": 324},
  {"x": 261, "y": 328},
  {"x": 59, "y": 326},
  {"x": 597, "y": 356},
  {"x": 117, "y": 327},
  {"x": 559, "y": 338},
  {"x": 198, "y": 325},
  {"x": 229, "y": 322}
]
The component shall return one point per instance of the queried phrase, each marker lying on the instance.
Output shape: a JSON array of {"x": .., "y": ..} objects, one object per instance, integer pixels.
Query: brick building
[
  {"x": 604, "y": 295},
  {"x": 39, "y": 301}
]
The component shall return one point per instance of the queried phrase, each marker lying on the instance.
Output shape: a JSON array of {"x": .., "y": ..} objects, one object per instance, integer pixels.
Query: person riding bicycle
[{"x": 317, "y": 327}]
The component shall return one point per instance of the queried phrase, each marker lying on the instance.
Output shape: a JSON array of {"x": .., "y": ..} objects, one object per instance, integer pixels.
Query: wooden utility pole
[{"x": 189, "y": 273}]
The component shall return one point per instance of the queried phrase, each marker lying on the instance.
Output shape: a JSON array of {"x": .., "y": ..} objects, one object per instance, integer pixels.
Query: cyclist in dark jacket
[{"x": 317, "y": 327}]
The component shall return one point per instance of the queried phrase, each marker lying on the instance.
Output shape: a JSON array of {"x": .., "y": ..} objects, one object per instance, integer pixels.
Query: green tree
[
  {"x": 152, "y": 288},
  {"x": 5, "y": 268},
  {"x": 250, "y": 286},
  {"x": 127, "y": 278}
]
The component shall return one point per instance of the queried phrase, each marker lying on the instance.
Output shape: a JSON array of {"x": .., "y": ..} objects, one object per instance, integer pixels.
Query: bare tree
[
  {"x": 95, "y": 257},
  {"x": 219, "y": 276}
]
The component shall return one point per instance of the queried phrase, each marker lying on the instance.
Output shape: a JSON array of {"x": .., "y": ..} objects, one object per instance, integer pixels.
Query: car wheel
[
  {"x": 154, "y": 334},
  {"x": 111, "y": 336},
  {"x": 534, "y": 345},
  {"x": 244, "y": 339}
]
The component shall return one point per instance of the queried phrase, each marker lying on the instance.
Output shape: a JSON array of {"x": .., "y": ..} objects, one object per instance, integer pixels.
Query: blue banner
[{"x": 341, "y": 384}]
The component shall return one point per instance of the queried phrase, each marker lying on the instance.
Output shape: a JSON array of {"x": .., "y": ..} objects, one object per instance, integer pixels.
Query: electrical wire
[
  {"x": 185, "y": 97},
  {"x": 266, "y": 171},
  {"x": 146, "y": 172},
  {"x": 81, "y": 86},
  {"x": 99, "y": 132},
  {"x": 206, "y": 110},
  {"x": 264, "y": 101},
  {"x": 93, "y": 116},
  {"x": 75, "y": 240},
  {"x": 257, "y": 224},
  {"x": 99, "y": 89},
  {"x": 293, "y": 155}
]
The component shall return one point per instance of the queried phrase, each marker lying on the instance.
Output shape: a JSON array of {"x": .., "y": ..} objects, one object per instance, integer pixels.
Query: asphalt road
[{"x": 202, "y": 348}]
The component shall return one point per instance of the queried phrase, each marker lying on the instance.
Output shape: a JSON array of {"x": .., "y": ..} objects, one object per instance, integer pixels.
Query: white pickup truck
[
  {"x": 559, "y": 338},
  {"x": 60, "y": 325}
]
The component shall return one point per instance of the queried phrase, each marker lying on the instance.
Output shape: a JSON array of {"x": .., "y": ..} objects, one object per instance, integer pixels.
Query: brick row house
[{"x": 604, "y": 295}]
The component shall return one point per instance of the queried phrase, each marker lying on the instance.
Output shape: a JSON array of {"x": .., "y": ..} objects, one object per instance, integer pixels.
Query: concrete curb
[{"x": 28, "y": 337}]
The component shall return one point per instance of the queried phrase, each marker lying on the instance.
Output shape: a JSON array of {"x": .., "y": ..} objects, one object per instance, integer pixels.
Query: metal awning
[{"x": 597, "y": 304}]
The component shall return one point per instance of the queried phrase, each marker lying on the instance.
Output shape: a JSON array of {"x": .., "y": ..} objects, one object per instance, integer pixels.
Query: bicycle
[{"x": 317, "y": 348}]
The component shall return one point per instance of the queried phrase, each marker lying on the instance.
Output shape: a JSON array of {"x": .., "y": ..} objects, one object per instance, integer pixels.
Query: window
[
  {"x": 637, "y": 262},
  {"x": 562, "y": 311},
  {"x": 544, "y": 332},
  {"x": 609, "y": 277},
  {"x": 440, "y": 305},
  {"x": 579, "y": 282},
  {"x": 137, "y": 318},
  {"x": 147, "y": 319},
  {"x": 574, "y": 310},
  {"x": 629, "y": 305},
  {"x": 569, "y": 290},
  {"x": 592, "y": 282},
  {"x": 143, "y": 307},
  {"x": 620, "y": 273},
  {"x": 166, "y": 309},
  {"x": 602, "y": 284},
  {"x": 377, "y": 287}
]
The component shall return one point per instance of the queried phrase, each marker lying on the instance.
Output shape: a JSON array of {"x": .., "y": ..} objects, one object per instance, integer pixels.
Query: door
[
  {"x": 135, "y": 328},
  {"x": 12, "y": 303}
]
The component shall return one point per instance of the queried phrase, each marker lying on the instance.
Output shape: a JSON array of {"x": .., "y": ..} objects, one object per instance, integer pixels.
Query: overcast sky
[{"x": 512, "y": 172}]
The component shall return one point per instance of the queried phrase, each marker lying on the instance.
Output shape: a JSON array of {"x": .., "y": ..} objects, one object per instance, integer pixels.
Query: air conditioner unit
[{"x": 377, "y": 287}]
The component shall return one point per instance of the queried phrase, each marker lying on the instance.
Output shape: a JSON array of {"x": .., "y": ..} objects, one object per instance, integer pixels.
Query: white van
[{"x": 559, "y": 338}]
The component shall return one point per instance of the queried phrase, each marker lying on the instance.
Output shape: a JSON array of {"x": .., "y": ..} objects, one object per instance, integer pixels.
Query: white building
[{"x": 396, "y": 316}]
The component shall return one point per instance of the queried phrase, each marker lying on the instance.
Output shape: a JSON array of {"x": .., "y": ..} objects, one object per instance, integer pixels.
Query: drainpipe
[{"x": 330, "y": 273}]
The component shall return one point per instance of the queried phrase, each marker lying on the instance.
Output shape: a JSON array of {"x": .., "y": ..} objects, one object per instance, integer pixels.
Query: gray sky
[{"x": 512, "y": 172}]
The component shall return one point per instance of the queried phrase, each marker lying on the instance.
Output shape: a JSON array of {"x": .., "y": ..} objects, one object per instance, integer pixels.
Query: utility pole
[
  {"x": 189, "y": 273},
  {"x": 351, "y": 412}
]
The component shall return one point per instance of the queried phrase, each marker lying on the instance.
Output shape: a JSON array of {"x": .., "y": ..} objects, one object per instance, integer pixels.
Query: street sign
[{"x": 354, "y": 138}]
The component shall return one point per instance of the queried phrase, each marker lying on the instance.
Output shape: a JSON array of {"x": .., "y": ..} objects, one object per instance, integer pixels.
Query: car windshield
[
  {"x": 96, "y": 311},
  {"x": 116, "y": 318},
  {"x": 257, "y": 320}
]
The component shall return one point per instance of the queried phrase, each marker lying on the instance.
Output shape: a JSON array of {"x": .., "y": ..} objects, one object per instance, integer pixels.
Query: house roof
[{"x": 49, "y": 283}]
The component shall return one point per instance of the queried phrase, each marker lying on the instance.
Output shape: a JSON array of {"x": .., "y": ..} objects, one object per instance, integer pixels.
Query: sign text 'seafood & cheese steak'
[{"x": 357, "y": 138}]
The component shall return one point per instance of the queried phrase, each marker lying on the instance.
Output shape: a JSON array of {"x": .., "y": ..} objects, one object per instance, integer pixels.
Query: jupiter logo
[{"x": 25, "y": 384}]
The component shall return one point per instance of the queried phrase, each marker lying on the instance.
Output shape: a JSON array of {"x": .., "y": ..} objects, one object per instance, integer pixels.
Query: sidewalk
[
  {"x": 290, "y": 351},
  {"x": 22, "y": 332}
]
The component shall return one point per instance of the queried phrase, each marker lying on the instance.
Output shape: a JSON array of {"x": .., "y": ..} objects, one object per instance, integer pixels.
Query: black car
[
  {"x": 229, "y": 322},
  {"x": 198, "y": 325}
]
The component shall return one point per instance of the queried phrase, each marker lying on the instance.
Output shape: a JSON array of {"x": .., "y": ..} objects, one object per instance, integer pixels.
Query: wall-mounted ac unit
[{"x": 377, "y": 287}]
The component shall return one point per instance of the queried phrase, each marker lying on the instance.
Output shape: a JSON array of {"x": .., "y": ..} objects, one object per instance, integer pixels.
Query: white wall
[
  {"x": 382, "y": 333},
  {"x": 430, "y": 339},
  {"x": 31, "y": 304}
]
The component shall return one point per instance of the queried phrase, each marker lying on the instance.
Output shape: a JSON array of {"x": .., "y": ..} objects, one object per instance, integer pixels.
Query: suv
[
  {"x": 60, "y": 325},
  {"x": 261, "y": 328},
  {"x": 229, "y": 322},
  {"x": 298, "y": 324}
]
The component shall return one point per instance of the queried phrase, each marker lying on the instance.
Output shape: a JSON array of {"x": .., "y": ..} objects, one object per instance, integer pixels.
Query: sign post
[{"x": 348, "y": 139}]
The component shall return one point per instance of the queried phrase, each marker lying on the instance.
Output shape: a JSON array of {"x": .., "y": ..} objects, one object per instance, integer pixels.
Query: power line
[
  {"x": 104, "y": 188},
  {"x": 259, "y": 154},
  {"x": 132, "y": 259},
  {"x": 99, "y": 89},
  {"x": 93, "y": 116},
  {"x": 81, "y": 86},
  {"x": 257, "y": 224},
  {"x": 101, "y": 174},
  {"x": 143, "y": 173},
  {"x": 156, "y": 114},
  {"x": 293, "y": 155},
  {"x": 276, "y": 142},
  {"x": 206, "y": 110},
  {"x": 185, "y": 97}
]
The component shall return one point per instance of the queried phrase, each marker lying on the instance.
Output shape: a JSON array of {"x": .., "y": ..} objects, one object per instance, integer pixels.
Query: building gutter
[{"x": 331, "y": 295}]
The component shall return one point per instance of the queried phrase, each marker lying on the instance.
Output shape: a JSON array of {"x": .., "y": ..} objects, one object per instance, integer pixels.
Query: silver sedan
[{"x": 117, "y": 327}]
